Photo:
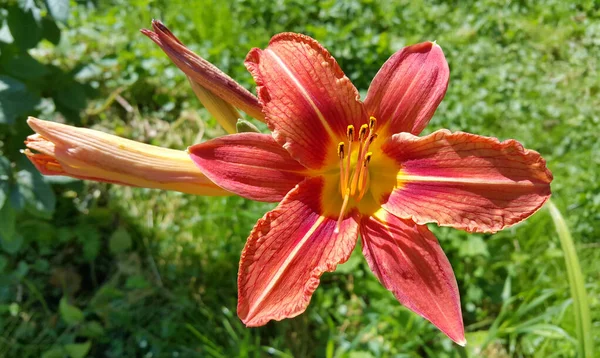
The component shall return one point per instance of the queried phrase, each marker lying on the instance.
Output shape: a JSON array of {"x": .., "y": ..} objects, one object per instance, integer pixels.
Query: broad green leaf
[
  {"x": 78, "y": 350},
  {"x": 92, "y": 329},
  {"x": 72, "y": 96},
  {"x": 15, "y": 99},
  {"x": 54, "y": 352},
  {"x": 474, "y": 246},
  {"x": 24, "y": 23},
  {"x": 89, "y": 238},
  {"x": 69, "y": 313},
  {"x": 10, "y": 240},
  {"x": 50, "y": 30},
  {"x": 59, "y": 9},
  {"x": 120, "y": 241},
  {"x": 24, "y": 66},
  {"x": 136, "y": 282},
  {"x": 7, "y": 221}
]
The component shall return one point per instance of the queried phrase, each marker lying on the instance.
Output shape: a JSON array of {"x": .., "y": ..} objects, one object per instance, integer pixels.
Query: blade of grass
[{"x": 576, "y": 282}]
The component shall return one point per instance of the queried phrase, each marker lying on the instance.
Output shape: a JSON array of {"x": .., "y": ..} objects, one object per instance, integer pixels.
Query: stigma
[{"x": 354, "y": 177}]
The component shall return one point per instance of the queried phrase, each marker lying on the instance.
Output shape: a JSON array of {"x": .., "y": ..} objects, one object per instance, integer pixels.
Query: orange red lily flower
[{"x": 341, "y": 167}]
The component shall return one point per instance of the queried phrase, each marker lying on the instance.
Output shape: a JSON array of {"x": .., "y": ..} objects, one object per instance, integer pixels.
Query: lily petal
[
  {"x": 307, "y": 100},
  {"x": 251, "y": 165},
  {"x": 286, "y": 254},
  {"x": 93, "y": 155},
  {"x": 408, "y": 260},
  {"x": 466, "y": 181},
  {"x": 203, "y": 72},
  {"x": 408, "y": 88}
]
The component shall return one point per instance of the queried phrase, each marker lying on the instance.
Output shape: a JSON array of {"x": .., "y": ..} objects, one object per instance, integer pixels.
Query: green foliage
[{"x": 102, "y": 270}]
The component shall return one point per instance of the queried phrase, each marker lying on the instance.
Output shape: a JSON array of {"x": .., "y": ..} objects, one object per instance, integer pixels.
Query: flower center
[{"x": 354, "y": 178}]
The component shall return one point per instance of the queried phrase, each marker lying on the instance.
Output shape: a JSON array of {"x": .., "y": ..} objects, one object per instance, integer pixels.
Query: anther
[
  {"x": 350, "y": 133},
  {"x": 340, "y": 150},
  {"x": 343, "y": 174},
  {"x": 372, "y": 123},
  {"x": 363, "y": 132},
  {"x": 367, "y": 158}
]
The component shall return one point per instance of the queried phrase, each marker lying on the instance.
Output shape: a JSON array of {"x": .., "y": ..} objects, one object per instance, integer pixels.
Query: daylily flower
[
  {"x": 88, "y": 154},
  {"x": 341, "y": 167}
]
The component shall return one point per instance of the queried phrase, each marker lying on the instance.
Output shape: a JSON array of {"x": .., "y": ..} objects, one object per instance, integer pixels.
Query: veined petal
[
  {"x": 251, "y": 165},
  {"x": 408, "y": 88},
  {"x": 408, "y": 260},
  {"x": 286, "y": 254},
  {"x": 203, "y": 72},
  {"x": 93, "y": 155},
  {"x": 463, "y": 180},
  {"x": 307, "y": 100}
]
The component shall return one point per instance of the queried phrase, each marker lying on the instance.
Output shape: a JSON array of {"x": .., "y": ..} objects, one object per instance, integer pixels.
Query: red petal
[
  {"x": 307, "y": 100},
  {"x": 287, "y": 252},
  {"x": 408, "y": 260},
  {"x": 465, "y": 181},
  {"x": 251, "y": 165},
  {"x": 408, "y": 88}
]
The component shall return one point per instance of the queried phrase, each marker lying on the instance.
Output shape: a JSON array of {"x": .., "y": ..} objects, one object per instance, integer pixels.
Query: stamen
[
  {"x": 363, "y": 132},
  {"x": 367, "y": 159},
  {"x": 342, "y": 171},
  {"x": 340, "y": 150},
  {"x": 362, "y": 181},
  {"x": 344, "y": 205},
  {"x": 350, "y": 136},
  {"x": 372, "y": 123},
  {"x": 350, "y": 133}
]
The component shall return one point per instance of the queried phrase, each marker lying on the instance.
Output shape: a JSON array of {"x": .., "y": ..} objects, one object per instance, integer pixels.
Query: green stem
[{"x": 581, "y": 307}]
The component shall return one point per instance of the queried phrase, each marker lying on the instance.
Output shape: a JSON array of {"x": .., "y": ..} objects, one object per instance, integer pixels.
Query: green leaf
[
  {"x": 120, "y": 241},
  {"x": 54, "y": 352},
  {"x": 10, "y": 240},
  {"x": 90, "y": 239},
  {"x": 136, "y": 282},
  {"x": 92, "y": 329},
  {"x": 50, "y": 30},
  {"x": 69, "y": 313},
  {"x": 24, "y": 23},
  {"x": 78, "y": 350},
  {"x": 24, "y": 66},
  {"x": 581, "y": 306},
  {"x": 59, "y": 9},
  {"x": 72, "y": 96},
  {"x": 474, "y": 246},
  {"x": 7, "y": 223},
  {"x": 15, "y": 99}
]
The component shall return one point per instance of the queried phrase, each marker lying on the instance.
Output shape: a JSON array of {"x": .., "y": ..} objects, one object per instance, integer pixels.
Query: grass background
[{"x": 112, "y": 271}]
